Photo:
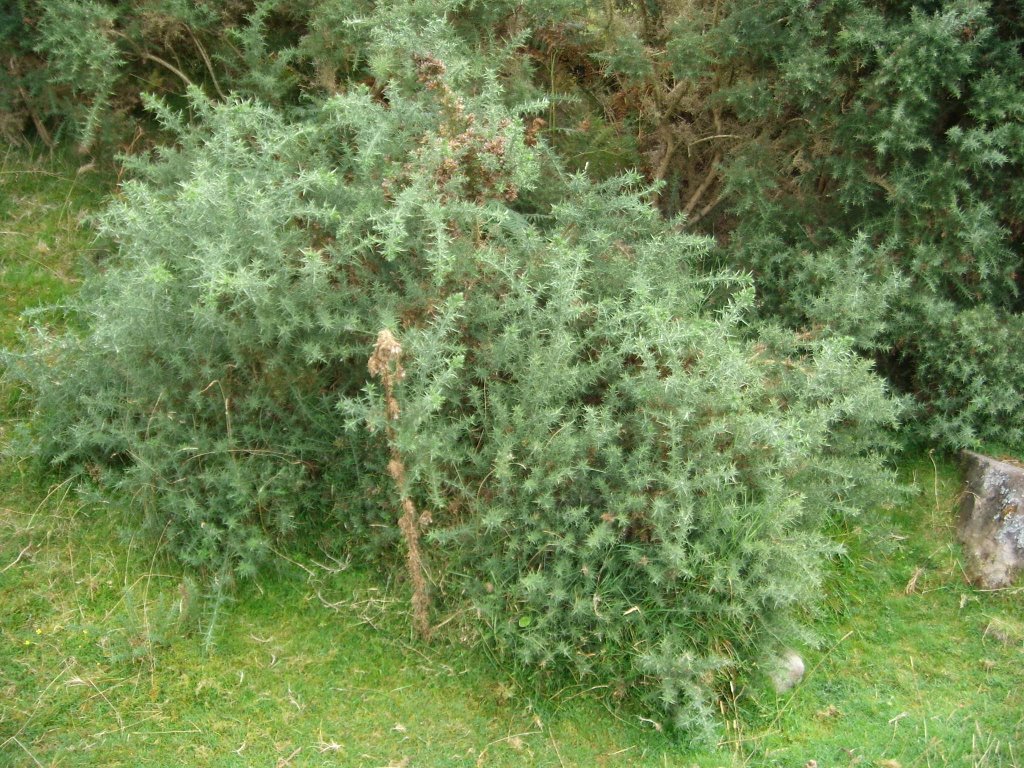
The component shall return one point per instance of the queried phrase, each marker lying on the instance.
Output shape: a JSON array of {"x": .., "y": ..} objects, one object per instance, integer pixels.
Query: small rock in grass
[{"x": 787, "y": 672}]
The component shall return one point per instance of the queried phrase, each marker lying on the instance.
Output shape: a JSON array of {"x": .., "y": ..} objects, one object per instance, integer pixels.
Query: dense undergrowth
[
  {"x": 361, "y": 270},
  {"x": 861, "y": 158},
  {"x": 104, "y": 657},
  {"x": 621, "y": 479}
]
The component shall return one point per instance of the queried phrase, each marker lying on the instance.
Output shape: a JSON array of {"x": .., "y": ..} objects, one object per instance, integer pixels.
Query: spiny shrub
[
  {"x": 620, "y": 479},
  {"x": 883, "y": 198},
  {"x": 625, "y": 478},
  {"x": 858, "y": 157},
  {"x": 77, "y": 37},
  {"x": 960, "y": 361},
  {"x": 213, "y": 345},
  {"x": 77, "y": 68}
]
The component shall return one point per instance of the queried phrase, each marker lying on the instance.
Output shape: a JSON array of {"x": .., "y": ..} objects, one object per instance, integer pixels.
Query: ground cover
[{"x": 108, "y": 657}]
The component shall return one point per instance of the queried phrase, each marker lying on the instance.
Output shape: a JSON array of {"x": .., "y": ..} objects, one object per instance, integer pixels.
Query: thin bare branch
[
  {"x": 36, "y": 121},
  {"x": 206, "y": 60},
  {"x": 167, "y": 65},
  {"x": 709, "y": 179},
  {"x": 711, "y": 138},
  {"x": 705, "y": 210}
]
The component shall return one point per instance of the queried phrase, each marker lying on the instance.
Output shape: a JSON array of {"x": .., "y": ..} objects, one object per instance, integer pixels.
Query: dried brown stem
[
  {"x": 36, "y": 121},
  {"x": 147, "y": 56},
  {"x": 44, "y": 135},
  {"x": 666, "y": 157},
  {"x": 167, "y": 65},
  {"x": 672, "y": 99},
  {"x": 705, "y": 210},
  {"x": 386, "y": 364}
]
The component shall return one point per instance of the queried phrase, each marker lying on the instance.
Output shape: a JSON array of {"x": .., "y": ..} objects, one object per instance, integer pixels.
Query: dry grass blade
[{"x": 911, "y": 587}]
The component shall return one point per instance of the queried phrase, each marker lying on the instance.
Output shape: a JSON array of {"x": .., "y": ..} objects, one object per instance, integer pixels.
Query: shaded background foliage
[{"x": 861, "y": 159}]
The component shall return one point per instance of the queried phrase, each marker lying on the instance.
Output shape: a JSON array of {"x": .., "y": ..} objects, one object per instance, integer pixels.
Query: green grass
[
  {"x": 43, "y": 203},
  {"x": 918, "y": 667},
  {"x": 106, "y": 670},
  {"x": 105, "y": 659}
]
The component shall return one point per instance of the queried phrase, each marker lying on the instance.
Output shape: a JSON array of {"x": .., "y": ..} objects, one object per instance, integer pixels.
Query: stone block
[{"x": 991, "y": 521}]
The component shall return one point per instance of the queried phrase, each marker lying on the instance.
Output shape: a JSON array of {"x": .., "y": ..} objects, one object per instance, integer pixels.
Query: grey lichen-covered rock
[
  {"x": 991, "y": 524},
  {"x": 787, "y": 671}
]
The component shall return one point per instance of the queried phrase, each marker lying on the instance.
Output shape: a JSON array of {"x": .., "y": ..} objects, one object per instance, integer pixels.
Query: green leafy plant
[{"x": 586, "y": 438}]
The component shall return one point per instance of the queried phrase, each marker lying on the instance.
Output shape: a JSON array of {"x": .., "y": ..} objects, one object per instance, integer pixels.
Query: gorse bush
[
  {"x": 862, "y": 159},
  {"x": 213, "y": 351},
  {"x": 892, "y": 210},
  {"x": 625, "y": 476},
  {"x": 632, "y": 488},
  {"x": 77, "y": 68},
  {"x": 962, "y": 358},
  {"x": 78, "y": 39}
]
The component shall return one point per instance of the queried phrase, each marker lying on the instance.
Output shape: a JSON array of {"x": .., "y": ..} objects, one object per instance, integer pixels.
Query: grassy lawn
[{"x": 107, "y": 658}]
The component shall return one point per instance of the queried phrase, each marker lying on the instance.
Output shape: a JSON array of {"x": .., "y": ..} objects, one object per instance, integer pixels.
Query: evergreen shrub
[
  {"x": 859, "y": 157},
  {"x": 625, "y": 477},
  {"x": 211, "y": 350},
  {"x": 76, "y": 69},
  {"x": 883, "y": 197},
  {"x": 963, "y": 361}
]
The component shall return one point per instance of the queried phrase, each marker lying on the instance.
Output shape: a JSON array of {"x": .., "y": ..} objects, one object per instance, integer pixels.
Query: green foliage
[
  {"x": 76, "y": 38},
  {"x": 13, "y": 83},
  {"x": 644, "y": 489},
  {"x": 204, "y": 372},
  {"x": 79, "y": 67},
  {"x": 90, "y": 605},
  {"x": 336, "y": 42},
  {"x": 625, "y": 480},
  {"x": 624, "y": 476},
  {"x": 898, "y": 187},
  {"x": 861, "y": 159},
  {"x": 963, "y": 362}
]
